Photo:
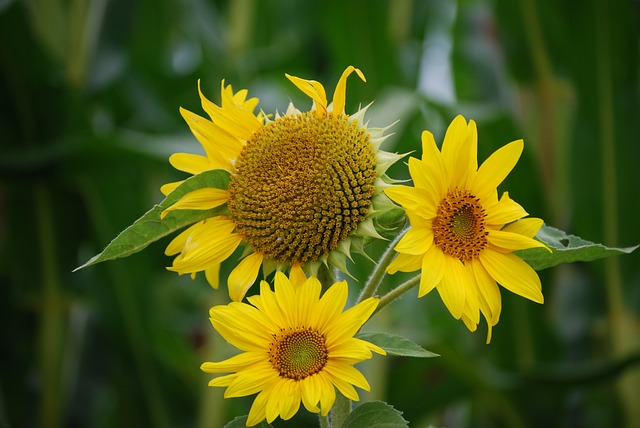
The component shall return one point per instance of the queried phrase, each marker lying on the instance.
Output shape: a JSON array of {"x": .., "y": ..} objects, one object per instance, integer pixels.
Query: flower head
[
  {"x": 463, "y": 236},
  {"x": 297, "y": 347},
  {"x": 304, "y": 187}
]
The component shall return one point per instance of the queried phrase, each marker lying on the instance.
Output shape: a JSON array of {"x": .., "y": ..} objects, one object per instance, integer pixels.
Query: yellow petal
[
  {"x": 330, "y": 305},
  {"x": 433, "y": 269},
  {"x": 210, "y": 242},
  {"x": 415, "y": 242},
  {"x": 313, "y": 90},
  {"x": 413, "y": 200},
  {"x": 170, "y": 187},
  {"x": 452, "y": 288},
  {"x": 212, "y": 274},
  {"x": 258, "y": 411},
  {"x": 496, "y": 168},
  {"x": 513, "y": 273},
  {"x": 404, "y": 263},
  {"x": 308, "y": 296},
  {"x": 310, "y": 393},
  {"x": 456, "y": 151},
  {"x": 243, "y": 276},
  {"x": 339, "y": 96},
  {"x": 434, "y": 165},
  {"x": 489, "y": 292},
  {"x": 507, "y": 242},
  {"x": 504, "y": 211},
  {"x": 177, "y": 244},
  {"x": 426, "y": 177},
  {"x": 327, "y": 394},
  {"x": 297, "y": 275},
  {"x": 193, "y": 164},
  {"x": 526, "y": 226},
  {"x": 205, "y": 198}
]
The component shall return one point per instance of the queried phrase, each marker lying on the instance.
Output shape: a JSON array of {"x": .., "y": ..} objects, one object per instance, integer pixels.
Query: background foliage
[{"x": 89, "y": 96}]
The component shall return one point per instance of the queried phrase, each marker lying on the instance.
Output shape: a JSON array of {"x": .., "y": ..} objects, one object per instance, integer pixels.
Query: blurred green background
[{"x": 89, "y": 97}]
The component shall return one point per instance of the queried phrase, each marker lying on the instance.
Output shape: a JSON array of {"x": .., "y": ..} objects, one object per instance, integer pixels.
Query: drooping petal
[
  {"x": 513, "y": 273},
  {"x": 339, "y": 96},
  {"x": 504, "y": 211},
  {"x": 243, "y": 276},
  {"x": 313, "y": 90},
  {"x": 212, "y": 275}
]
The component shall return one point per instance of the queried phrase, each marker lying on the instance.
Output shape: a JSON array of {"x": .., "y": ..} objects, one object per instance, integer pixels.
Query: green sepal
[
  {"x": 566, "y": 249},
  {"x": 149, "y": 228},
  {"x": 241, "y": 422},
  {"x": 375, "y": 414},
  {"x": 396, "y": 345}
]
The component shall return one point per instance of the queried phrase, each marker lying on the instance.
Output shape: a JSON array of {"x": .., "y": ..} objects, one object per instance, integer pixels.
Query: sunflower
[
  {"x": 303, "y": 191},
  {"x": 298, "y": 347},
  {"x": 462, "y": 236}
]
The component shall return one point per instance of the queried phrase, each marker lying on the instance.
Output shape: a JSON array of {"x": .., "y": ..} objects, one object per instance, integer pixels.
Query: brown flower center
[
  {"x": 459, "y": 226},
  {"x": 298, "y": 353},
  {"x": 302, "y": 184}
]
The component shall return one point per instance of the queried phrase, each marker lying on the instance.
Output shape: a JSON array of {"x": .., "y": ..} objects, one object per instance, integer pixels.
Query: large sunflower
[
  {"x": 462, "y": 235},
  {"x": 298, "y": 347},
  {"x": 303, "y": 192}
]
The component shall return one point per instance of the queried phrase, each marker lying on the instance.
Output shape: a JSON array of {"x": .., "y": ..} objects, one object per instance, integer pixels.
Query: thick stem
[
  {"x": 397, "y": 292},
  {"x": 374, "y": 280},
  {"x": 340, "y": 410}
]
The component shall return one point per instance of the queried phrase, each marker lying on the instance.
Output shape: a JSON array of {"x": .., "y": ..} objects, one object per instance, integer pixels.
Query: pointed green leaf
[
  {"x": 566, "y": 249},
  {"x": 241, "y": 422},
  {"x": 375, "y": 414},
  {"x": 149, "y": 228},
  {"x": 396, "y": 345}
]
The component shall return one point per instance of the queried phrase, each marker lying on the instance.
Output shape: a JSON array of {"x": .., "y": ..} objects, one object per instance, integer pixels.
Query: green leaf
[
  {"x": 375, "y": 414},
  {"x": 396, "y": 345},
  {"x": 149, "y": 228},
  {"x": 566, "y": 249},
  {"x": 241, "y": 422}
]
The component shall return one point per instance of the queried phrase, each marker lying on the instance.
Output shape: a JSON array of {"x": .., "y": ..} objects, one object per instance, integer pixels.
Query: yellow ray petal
[
  {"x": 454, "y": 285},
  {"x": 433, "y": 268},
  {"x": 489, "y": 292},
  {"x": 513, "y": 273},
  {"x": 415, "y": 242},
  {"x": 456, "y": 151},
  {"x": 310, "y": 393},
  {"x": 313, "y": 90},
  {"x": 339, "y": 96},
  {"x": 404, "y": 263},
  {"x": 504, "y": 211},
  {"x": 526, "y": 226},
  {"x": 496, "y": 168},
  {"x": 243, "y": 276},
  {"x": 330, "y": 305},
  {"x": 327, "y": 394},
  {"x": 425, "y": 176},
  {"x": 177, "y": 244},
  {"x": 507, "y": 242},
  {"x": 416, "y": 201},
  {"x": 297, "y": 275},
  {"x": 434, "y": 166},
  {"x": 190, "y": 163},
  {"x": 205, "y": 198},
  {"x": 170, "y": 187},
  {"x": 212, "y": 274}
]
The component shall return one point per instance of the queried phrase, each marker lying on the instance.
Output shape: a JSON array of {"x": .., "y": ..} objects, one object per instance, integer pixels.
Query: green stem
[
  {"x": 52, "y": 314},
  {"x": 324, "y": 421},
  {"x": 340, "y": 410},
  {"x": 379, "y": 271},
  {"x": 397, "y": 292}
]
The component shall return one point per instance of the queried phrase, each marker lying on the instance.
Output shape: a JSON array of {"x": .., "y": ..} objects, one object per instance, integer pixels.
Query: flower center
[
  {"x": 302, "y": 184},
  {"x": 459, "y": 225},
  {"x": 299, "y": 353}
]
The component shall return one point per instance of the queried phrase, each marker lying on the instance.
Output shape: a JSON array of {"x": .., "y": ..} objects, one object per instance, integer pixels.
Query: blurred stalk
[
  {"x": 212, "y": 411},
  {"x": 134, "y": 327},
  {"x": 621, "y": 322},
  {"x": 51, "y": 330}
]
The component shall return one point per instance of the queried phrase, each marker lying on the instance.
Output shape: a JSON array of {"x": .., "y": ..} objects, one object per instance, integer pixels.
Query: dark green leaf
[
  {"x": 566, "y": 249},
  {"x": 375, "y": 414},
  {"x": 396, "y": 345},
  {"x": 149, "y": 228},
  {"x": 241, "y": 422}
]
